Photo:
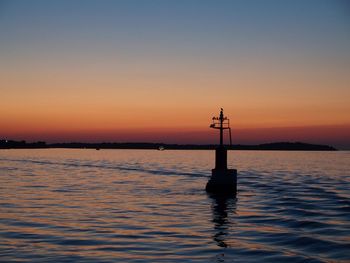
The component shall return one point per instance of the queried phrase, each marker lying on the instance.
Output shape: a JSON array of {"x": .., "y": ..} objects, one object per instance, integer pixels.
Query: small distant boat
[{"x": 161, "y": 148}]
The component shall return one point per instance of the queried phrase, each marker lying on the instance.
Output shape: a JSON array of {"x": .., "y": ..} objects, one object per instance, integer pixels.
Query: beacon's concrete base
[{"x": 222, "y": 181}]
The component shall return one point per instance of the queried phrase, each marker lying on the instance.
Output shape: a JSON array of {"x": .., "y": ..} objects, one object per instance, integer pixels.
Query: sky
[{"x": 159, "y": 70}]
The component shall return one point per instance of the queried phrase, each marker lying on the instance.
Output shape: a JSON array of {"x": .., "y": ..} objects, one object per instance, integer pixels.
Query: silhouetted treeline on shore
[
  {"x": 9, "y": 144},
  {"x": 281, "y": 146}
]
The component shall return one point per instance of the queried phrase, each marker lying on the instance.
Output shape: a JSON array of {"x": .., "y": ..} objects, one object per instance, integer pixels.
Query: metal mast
[{"x": 222, "y": 123}]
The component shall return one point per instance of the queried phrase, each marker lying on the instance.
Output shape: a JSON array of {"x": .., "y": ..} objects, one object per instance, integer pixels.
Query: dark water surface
[{"x": 150, "y": 206}]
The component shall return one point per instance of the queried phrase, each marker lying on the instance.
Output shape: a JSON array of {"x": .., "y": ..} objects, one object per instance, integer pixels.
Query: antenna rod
[
  {"x": 230, "y": 136},
  {"x": 221, "y": 126}
]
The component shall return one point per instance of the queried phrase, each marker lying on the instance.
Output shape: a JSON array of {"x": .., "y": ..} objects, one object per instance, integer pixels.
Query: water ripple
[{"x": 149, "y": 206}]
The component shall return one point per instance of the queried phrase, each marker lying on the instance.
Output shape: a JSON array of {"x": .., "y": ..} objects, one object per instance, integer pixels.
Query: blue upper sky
[{"x": 181, "y": 27}]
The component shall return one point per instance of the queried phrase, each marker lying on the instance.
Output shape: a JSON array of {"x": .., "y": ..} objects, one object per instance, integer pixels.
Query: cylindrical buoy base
[{"x": 222, "y": 181}]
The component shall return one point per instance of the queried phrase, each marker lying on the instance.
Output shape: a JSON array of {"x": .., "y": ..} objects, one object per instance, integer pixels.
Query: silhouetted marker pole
[
  {"x": 221, "y": 127},
  {"x": 222, "y": 180}
]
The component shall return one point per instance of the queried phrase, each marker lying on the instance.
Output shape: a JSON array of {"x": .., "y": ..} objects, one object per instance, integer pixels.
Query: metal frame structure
[{"x": 221, "y": 123}]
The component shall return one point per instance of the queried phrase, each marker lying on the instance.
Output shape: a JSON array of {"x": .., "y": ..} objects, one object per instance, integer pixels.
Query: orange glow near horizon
[
  {"x": 121, "y": 109},
  {"x": 168, "y": 110}
]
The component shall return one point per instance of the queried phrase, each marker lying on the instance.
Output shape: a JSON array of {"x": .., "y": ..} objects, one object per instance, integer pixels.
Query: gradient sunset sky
[{"x": 158, "y": 70}]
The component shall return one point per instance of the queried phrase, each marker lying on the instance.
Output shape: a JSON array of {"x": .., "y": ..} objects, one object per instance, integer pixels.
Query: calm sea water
[{"x": 150, "y": 206}]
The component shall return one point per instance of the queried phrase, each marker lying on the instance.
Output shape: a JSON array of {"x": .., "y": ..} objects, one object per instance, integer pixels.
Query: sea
[{"x": 84, "y": 205}]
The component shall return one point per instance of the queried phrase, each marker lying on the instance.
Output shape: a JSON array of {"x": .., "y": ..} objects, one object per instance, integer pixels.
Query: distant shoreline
[{"x": 277, "y": 146}]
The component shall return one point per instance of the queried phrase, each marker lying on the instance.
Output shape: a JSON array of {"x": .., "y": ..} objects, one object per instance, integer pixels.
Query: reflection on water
[
  {"x": 223, "y": 206},
  {"x": 150, "y": 206}
]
